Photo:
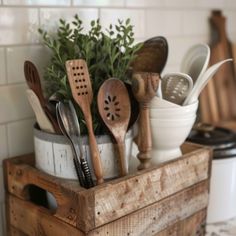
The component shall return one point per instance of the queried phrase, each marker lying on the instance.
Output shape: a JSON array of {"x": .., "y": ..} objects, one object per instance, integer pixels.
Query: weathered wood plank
[
  {"x": 36, "y": 221},
  {"x": 15, "y": 232},
  {"x": 89, "y": 209},
  {"x": 191, "y": 226},
  {"x": 119, "y": 199},
  {"x": 158, "y": 216},
  {"x": 20, "y": 176}
]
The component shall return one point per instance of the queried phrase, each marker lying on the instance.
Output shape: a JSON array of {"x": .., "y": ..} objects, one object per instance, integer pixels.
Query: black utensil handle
[
  {"x": 87, "y": 173},
  {"x": 79, "y": 173}
]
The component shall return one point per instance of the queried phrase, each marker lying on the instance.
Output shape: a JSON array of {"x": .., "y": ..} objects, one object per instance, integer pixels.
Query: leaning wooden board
[
  {"x": 218, "y": 100},
  {"x": 156, "y": 201}
]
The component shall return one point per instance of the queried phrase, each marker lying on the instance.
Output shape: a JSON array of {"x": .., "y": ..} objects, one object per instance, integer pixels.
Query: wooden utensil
[
  {"x": 144, "y": 87},
  {"x": 152, "y": 56},
  {"x": 33, "y": 81},
  {"x": 222, "y": 89},
  {"x": 42, "y": 120},
  {"x": 114, "y": 108},
  {"x": 81, "y": 88}
]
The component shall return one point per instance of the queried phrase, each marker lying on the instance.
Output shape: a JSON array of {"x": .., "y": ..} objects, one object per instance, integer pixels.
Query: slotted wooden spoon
[
  {"x": 81, "y": 88},
  {"x": 114, "y": 107},
  {"x": 144, "y": 87}
]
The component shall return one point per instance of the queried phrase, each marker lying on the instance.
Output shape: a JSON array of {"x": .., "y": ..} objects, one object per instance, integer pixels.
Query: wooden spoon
[
  {"x": 152, "y": 56},
  {"x": 81, "y": 88},
  {"x": 114, "y": 107},
  {"x": 33, "y": 81},
  {"x": 144, "y": 87}
]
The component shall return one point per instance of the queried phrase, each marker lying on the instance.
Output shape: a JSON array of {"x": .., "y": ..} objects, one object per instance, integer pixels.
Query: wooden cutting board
[{"x": 220, "y": 92}]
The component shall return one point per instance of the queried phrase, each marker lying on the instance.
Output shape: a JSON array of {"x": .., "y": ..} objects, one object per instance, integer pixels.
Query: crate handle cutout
[
  {"x": 40, "y": 197},
  {"x": 61, "y": 193}
]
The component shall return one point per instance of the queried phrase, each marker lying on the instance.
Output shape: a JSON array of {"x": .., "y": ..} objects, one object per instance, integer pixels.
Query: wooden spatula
[
  {"x": 114, "y": 107},
  {"x": 42, "y": 120},
  {"x": 144, "y": 87},
  {"x": 81, "y": 88},
  {"x": 34, "y": 83}
]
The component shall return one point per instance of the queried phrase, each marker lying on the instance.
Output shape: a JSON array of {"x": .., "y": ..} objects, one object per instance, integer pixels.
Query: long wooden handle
[
  {"x": 122, "y": 158},
  {"x": 144, "y": 139},
  {"x": 94, "y": 152}
]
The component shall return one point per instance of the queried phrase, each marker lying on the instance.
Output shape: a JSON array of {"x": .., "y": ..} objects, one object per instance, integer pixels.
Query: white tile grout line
[
  {"x": 6, "y": 134},
  {"x": 71, "y": 5},
  {"x": 15, "y": 121},
  {"x": 5, "y": 60}
]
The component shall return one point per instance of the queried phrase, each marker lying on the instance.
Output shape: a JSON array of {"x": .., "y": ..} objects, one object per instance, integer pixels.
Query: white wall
[{"x": 182, "y": 22}]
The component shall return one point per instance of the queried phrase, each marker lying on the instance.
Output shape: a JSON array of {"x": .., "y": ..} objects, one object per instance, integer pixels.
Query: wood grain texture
[
  {"x": 81, "y": 88},
  {"x": 144, "y": 87},
  {"x": 158, "y": 216},
  {"x": 115, "y": 110},
  {"x": 221, "y": 89},
  {"x": 193, "y": 225},
  {"x": 15, "y": 232},
  {"x": 119, "y": 199},
  {"x": 34, "y": 221},
  {"x": 19, "y": 176},
  {"x": 100, "y": 205},
  {"x": 39, "y": 222}
]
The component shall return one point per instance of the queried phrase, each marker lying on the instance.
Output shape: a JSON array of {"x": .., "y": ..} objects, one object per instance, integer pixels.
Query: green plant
[{"x": 108, "y": 54}]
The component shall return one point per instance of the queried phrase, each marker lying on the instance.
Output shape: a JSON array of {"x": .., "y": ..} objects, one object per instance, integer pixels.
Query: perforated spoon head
[
  {"x": 114, "y": 106},
  {"x": 175, "y": 87},
  {"x": 78, "y": 76}
]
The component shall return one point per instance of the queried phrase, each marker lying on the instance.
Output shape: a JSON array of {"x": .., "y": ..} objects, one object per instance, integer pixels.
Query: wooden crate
[{"x": 168, "y": 199}]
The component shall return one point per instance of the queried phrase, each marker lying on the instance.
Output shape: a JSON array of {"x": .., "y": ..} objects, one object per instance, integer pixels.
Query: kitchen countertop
[{"x": 226, "y": 228}]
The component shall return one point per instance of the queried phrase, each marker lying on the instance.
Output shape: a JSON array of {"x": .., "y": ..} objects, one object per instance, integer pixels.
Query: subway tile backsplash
[
  {"x": 164, "y": 22},
  {"x": 2, "y": 66},
  {"x": 37, "y": 2},
  {"x": 18, "y": 25},
  {"x": 49, "y": 17},
  {"x": 3, "y": 143},
  {"x": 16, "y": 57},
  {"x": 20, "y": 132},
  {"x": 99, "y": 3},
  {"x": 182, "y": 22},
  {"x": 13, "y": 103},
  {"x": 137, "y": 16}
]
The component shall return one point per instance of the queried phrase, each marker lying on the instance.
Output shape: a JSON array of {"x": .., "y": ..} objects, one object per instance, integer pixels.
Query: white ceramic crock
[
  {"x": 222, "y": 202},
  {"x": 53, "y": 154}
]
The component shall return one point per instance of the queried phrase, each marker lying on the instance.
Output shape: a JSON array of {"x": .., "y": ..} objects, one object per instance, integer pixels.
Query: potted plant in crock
[{"x": 108, "y": 54}]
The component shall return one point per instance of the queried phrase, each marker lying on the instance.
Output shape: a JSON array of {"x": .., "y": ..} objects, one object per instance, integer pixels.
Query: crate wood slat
[
  {"x": 113, "y": 201},
  {"x": 158, "y": 216},
  {"x": 16, "y": 232},
  {"x": 191, "y": 226},
  {"x": 34, "y": 220},
  {"x": 89, "y": 209}
]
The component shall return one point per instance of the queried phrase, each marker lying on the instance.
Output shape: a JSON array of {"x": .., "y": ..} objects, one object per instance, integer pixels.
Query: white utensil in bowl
[
  {"x": 42, "y": 119},
  {"x": 195, "y": 61},
  {"x": 202, "y": 82},
  {"x": 175, "y": 87}
]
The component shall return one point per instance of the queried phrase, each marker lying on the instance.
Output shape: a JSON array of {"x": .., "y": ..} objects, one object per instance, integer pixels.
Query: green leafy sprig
[{"x": 108, "y": 54}]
